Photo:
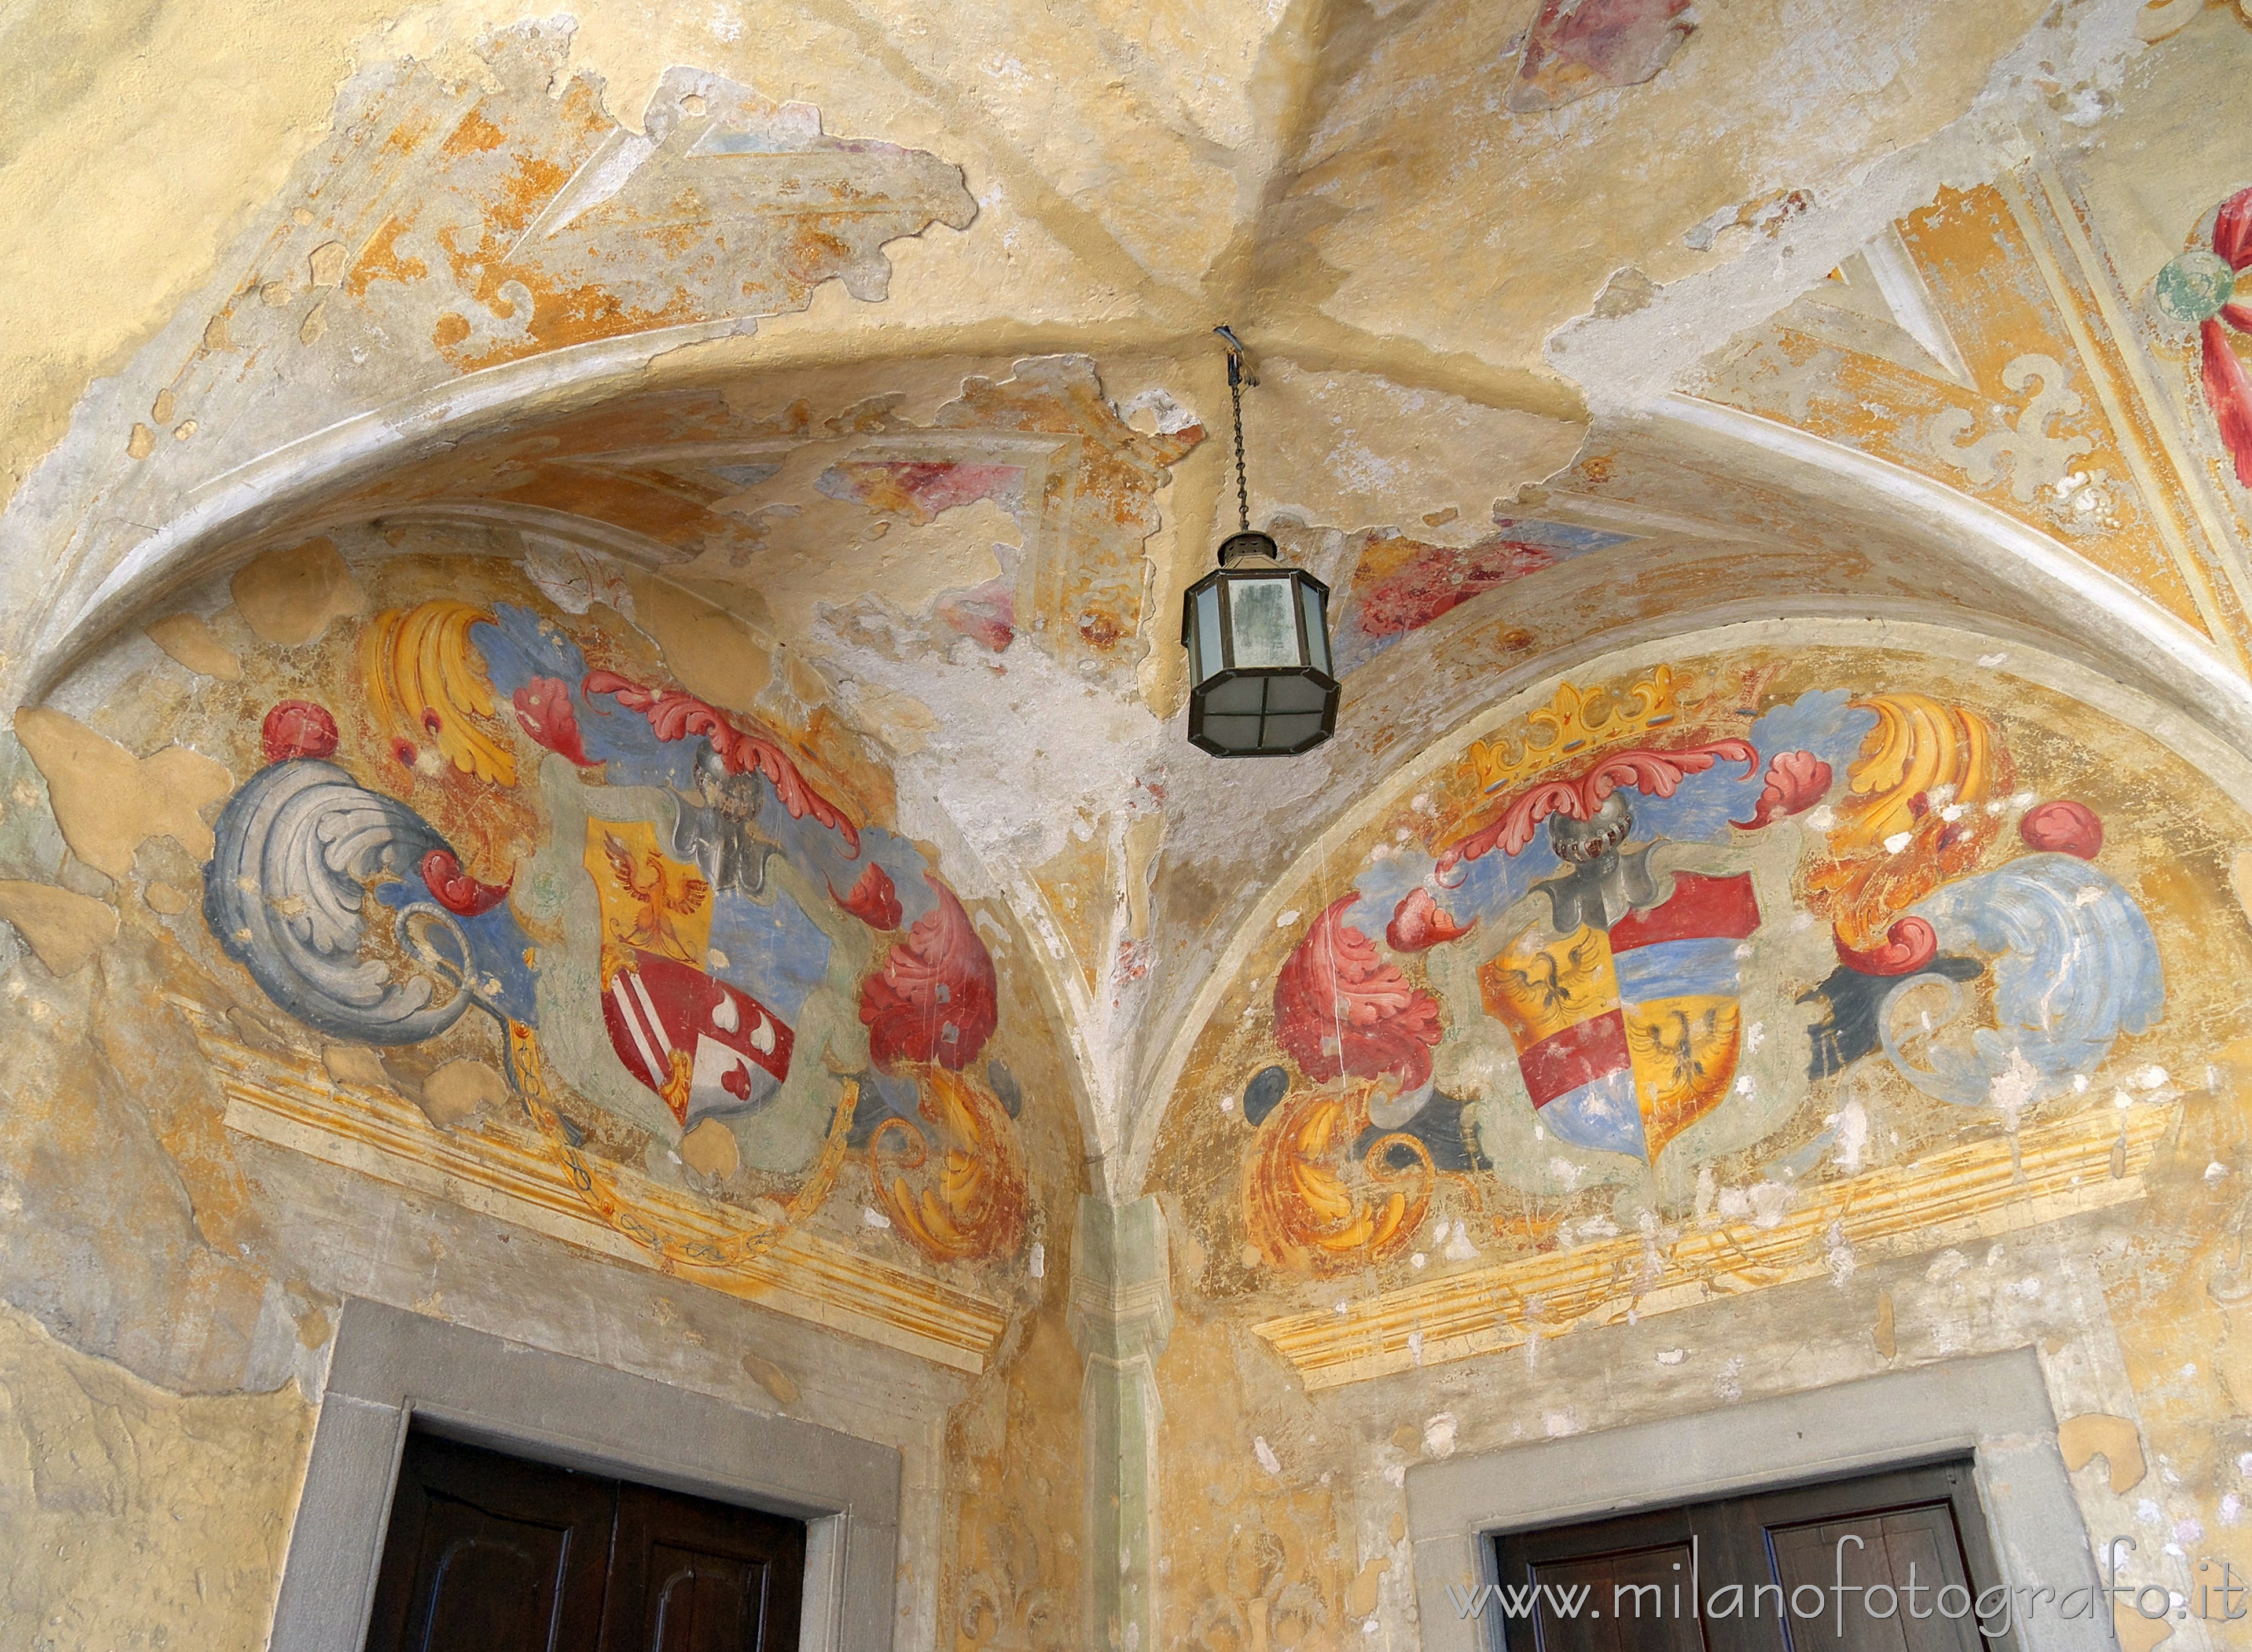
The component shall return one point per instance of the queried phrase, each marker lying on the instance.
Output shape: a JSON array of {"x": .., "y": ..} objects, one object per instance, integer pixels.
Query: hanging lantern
[{"x": 1257, "y": 632}]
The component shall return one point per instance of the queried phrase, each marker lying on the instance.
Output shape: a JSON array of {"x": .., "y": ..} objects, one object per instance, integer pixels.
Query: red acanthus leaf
[
  {"x": 676, "y": 715},
  {"x": 1795, "y": 782},
  {"x": 873, "y": 899},
  {"x": 2228, "y": 389},
  {"x": 1907, "y": 946},
  {"x": 935, "y": 999},
  {"x": 2229, "y": 393},
  {"x": 456, "y": 890},
  {"x": 1514, "y": 829},
  {"x": 1658, "y": 773},
  {"x": 543, "y": 705},
  {"x": 1418, "y": 923},
  {"x": 1339, "y": 1008}
]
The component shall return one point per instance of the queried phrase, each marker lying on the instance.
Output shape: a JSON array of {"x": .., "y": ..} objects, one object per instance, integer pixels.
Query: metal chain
[
  {"x": 1235, "y": 396},
  {"x": 1237, "y": 374}
]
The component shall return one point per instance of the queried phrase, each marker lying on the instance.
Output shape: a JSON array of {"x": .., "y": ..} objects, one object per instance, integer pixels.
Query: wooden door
[
  {"x": 1907, "y": 1541},
  {"x": 490, "y": 1553},
  {"x": 1847, "y": 1566}
]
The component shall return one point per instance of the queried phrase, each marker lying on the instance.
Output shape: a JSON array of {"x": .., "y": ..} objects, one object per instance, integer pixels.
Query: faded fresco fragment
[
  {"x": 687, "y": 981},
  {"x": 1980, "y": 341},
  {"x": 1678, "y": 984},
  {"x": 1019, "y": 508},
  {"x": 1399, "y": 584},
  {"x": 530, "y": 208},
  {"x": 1578, "y": 46}
]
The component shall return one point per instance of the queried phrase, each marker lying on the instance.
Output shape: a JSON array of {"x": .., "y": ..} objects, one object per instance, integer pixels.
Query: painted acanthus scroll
[
  {"x": 1658, "y": 773},
  {"x": 2037, "y": 455},
  {"x": 974, "y": 1207},
  {"x": 934, "y": 998},
  {"x": 1310, "y": 1205},
  {"x": 427, "y": 684},
  {"x": 1339, "y": 1009},
  {"x": 674, "y": 713},
  {"x": 1915, "y": 816},
  {"x": 292, "y": 894},
  {"x": 929, "y": 1011}
]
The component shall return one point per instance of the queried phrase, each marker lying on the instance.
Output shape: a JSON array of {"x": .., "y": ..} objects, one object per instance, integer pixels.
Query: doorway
[
  {"x": 492, "y": 1553},
  {"x": 1992, "y": 1408},
  {"x": 1893, "y": 1562}
]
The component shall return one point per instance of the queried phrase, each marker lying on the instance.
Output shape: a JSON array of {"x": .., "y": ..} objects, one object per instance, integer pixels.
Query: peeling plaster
[
  {"x": 1624, "y": 361},
  {"x": 107, "y": 801}
]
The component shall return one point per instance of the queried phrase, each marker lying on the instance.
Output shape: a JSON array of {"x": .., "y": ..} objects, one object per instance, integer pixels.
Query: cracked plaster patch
[
  {"x": 109, "y": 802},
  {"x": 479, "y": 225}
]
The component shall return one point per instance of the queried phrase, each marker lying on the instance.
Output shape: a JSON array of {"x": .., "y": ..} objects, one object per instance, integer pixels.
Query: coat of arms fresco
[
  {"x": 702, "y": 963},
  {"x": 1686, "y": 930}
]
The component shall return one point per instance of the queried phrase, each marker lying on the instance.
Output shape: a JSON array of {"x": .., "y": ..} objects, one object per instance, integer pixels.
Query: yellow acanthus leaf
[
  {"x": 1921, "y": 749},
  {"x": 426, "y": 683}
]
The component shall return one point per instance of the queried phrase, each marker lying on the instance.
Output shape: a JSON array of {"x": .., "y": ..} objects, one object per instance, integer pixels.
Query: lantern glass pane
[
  {"x": 1292, "y": 695},
  {"x": 1266, "y": 631},
  {"x": 1238, "y": 694},
  {"x": 1207, "y": 633},
  {"x": 1317, "y": 638},
  {"x": 1237, "y": 734},
  {"x": 1281, "y": 733}
]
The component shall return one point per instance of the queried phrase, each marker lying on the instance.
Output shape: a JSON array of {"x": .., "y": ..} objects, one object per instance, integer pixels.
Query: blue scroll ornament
[
  {"x": 2077, "y": 965},
  {"x": 299, "y": 849}
]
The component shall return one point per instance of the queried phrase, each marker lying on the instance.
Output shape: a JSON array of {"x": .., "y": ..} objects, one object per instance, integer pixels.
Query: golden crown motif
[{"x": 1577, "y": 721}]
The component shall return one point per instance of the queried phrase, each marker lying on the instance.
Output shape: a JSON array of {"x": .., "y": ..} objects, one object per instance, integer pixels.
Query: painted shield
[
  {"x": 1627, "y": 1037},
  {"x": 705, "y": 1046}
]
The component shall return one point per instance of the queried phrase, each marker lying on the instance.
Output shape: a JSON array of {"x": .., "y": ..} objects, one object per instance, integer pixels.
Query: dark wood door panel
[
  {"x": 1626, "y": 1602},
  {"x": 1614, "y": 1586},
  {"x": 1875, "y": 1551},
  {"x": 692, "y": 1575},
  {"x": 1906, "y": 1556},
  {"x": 702, "y": 1603},
  {"x": 489, "y": 1553}
]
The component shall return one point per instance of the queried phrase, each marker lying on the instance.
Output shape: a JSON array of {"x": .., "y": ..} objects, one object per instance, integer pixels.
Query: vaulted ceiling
[{"x": 863, "y": 353}]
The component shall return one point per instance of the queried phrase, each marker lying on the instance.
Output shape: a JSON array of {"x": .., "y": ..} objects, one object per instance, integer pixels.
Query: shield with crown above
[{"x": 1624, "y": 1006}]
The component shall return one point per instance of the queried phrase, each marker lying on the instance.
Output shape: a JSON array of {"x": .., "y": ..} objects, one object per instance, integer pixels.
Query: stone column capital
[{"x": 1121, "y": 1307}]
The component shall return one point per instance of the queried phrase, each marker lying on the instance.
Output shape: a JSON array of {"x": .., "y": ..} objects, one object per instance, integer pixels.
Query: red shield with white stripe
[{"x": 703, "y": 1046}]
